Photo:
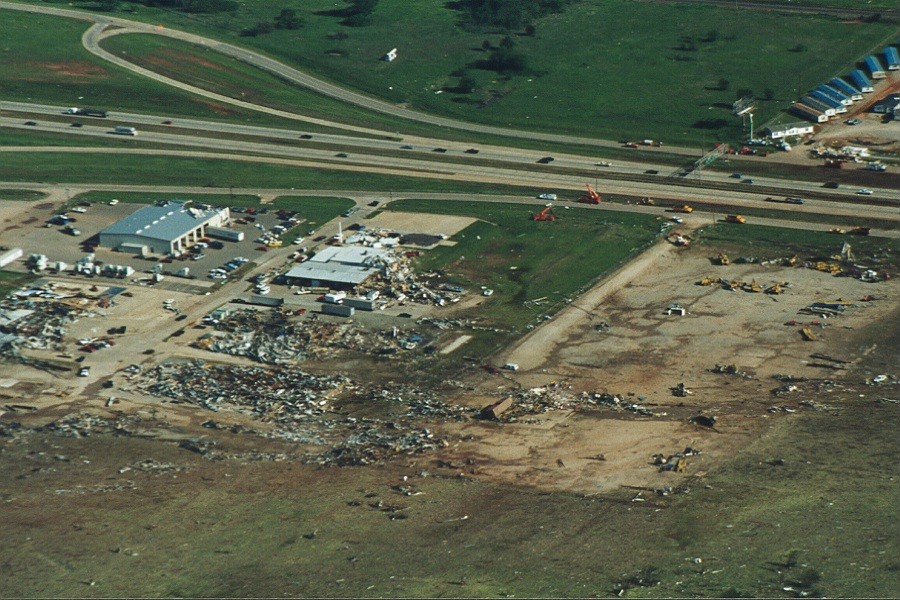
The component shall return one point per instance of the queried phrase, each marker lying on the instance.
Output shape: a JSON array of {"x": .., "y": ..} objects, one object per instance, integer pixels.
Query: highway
[{"x": 491, "y": 165}]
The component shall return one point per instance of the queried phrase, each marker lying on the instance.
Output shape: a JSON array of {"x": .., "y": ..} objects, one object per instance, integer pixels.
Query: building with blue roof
[
  {"x": 861, "y": 81},
  {"x": 892, "y": 58},
  {"x": 815, "y": 103},
  {"x": 829, "y": 101},
  {"x": 836, "y": 94},
  {"x": 842, "y": 85},
  {"x": 167, "y": 227},
  {"x": 874, "y": 66}
]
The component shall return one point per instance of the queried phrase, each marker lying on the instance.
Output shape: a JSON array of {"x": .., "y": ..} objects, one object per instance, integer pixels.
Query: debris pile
[
  {"x": 729, "y": 370},
  {"x": 277, "y": 338},
  {"x": 38, "y": 318},
  {"x": 281, "y": 396}
]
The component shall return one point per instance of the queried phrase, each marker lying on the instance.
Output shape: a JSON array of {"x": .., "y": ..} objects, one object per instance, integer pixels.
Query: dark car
[
  {"x": 306, "y": 136},
  {"x": 651, "y": 172},
  {"x": 545, "y": 160},
  {"x": 406, "y": 147},
  {"x": 167, "y": 122},
  {"x": 341, "y": 155},
  {"x": 441, "y": 150},
  {"x": 76, "y": 125},
  {"x": 832, "y": 185},
  {"x": 373, "y": 203},
  {"x": 30, "y": 122},
  {"x": 472, "y": 151}
]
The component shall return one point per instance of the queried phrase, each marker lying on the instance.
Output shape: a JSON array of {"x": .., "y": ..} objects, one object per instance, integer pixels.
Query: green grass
[
  {"x": 10, "y": 281},
  {"x": 217, "y": 173},
  {"x": 523, "y": 260},
  {"x": 216, "y": 199},
  {"x": 265, "y": 529},
  {"x": 21, "y": 195},
  {"x": 610, "y": 84},
  {"x": 42, "y": 59},
  {"x": 773, "y": 242},
  {"x": 316, "y": 210}
]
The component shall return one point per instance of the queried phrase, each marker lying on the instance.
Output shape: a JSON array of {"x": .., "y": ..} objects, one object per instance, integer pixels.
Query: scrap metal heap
[
  {"x": 277, "y": 338},
  {"x": 38, "y": 318}
]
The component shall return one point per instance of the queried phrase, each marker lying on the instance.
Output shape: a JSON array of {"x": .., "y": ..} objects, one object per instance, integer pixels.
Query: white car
[
  {"x": 677, "y": 220},
  {"x": 864, "y": 192},
  {"x": 79, "y": 209},
  {"x": 84, "y": 371},
  {"x": 487, "y": 292},
  {"x": 547, "y": 197}
]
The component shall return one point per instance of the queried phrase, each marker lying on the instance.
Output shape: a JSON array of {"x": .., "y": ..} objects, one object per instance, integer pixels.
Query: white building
[
  {"x": 165, "y": 227},
  {"x": 797, "y": 129},
  {"x": 340, "y": 267}
]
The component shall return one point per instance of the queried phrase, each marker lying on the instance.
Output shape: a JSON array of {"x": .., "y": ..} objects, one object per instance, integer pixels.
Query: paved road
[
  {"x": 94, "y": 34},
  {"x": 363, "y": 197},
  {"x": 505, "y": 176}
]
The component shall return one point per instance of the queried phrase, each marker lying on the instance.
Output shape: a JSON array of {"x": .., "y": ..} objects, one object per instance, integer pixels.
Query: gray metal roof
[
  {"x": 336, "y": 272},
  {"x": 163, "y": 221}
]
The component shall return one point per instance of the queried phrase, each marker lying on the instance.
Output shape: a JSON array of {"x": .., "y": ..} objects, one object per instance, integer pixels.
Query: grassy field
[
  {"x": 20, "y": 195},
  {"x": 586, "y": 93},
  {"x": 44, "y": 61},
  {"x": 150, "y": 197},
  {"x": 216, "y": 173},
  {"x": 772, "y": 242},
  {"x": 10, "y": 281},
  {"x": 523, "y": 260},
  {"x": 783, "y": 513}
]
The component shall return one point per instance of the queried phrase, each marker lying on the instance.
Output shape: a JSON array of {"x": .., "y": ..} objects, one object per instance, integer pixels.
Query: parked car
[{"x": 84, "y": 371}]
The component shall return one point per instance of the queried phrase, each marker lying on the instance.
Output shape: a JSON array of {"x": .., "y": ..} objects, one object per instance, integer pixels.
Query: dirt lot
[
  {"x": 645, "y": 353},
  {"x": 420, "y": 223}
]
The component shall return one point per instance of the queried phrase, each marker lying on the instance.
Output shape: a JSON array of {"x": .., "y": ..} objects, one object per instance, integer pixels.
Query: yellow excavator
[{"x": 722, "y": 259}]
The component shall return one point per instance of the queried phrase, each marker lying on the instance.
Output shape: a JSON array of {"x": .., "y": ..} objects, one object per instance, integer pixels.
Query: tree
[
  {"x": 507, "y": 42},
  {"x": 744, "y": 93},
  {"x": 288, "y": 19},
  {"x": 486, "y": 45},
  {"x": 768, "y": 94},
  {"x": 530, "y": 29},
  {"x": 466, "y": 84},
  {"x": 107, "y": 5},
  {"x": 711, "y": 36},
  {"x": 723, "y": 84}
]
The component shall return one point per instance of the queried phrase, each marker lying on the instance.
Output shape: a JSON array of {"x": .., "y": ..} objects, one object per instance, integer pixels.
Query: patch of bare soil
[
  {"x": 73, "y": 70},
  {"x": 619, "y": 340}
]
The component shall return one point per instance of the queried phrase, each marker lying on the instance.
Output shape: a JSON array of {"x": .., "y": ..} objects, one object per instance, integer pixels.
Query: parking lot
[{"x": 35, "y": 236}]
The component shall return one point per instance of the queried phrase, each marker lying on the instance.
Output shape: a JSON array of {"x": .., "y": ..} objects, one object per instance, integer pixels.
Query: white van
[{"x": 123, "y": 130}]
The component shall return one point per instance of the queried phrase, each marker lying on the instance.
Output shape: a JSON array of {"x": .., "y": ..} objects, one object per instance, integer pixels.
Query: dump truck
[
  {"x": 684, "y": 208},
  {"x": 735, "y": 219}
]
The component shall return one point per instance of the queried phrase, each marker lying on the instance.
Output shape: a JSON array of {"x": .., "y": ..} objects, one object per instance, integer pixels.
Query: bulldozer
[
  {"x": 808, "y": 334},
  {"x": 722, "y": 259},
  {"x": 752, "y": 287},
  {"x": 775, "y": 289},
  {"x": 731, "y": 285},
  {"x": 790, "y": 262},
  {"x": 545, "y": 215},
  {"x": 708, "y": 281},
  {"x": 591, "y": 197}
]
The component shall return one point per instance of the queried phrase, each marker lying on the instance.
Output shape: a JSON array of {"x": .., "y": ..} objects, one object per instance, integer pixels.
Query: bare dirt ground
[
  {"x": 421, "y": 223},
  {"x": 645, "y": 353}
]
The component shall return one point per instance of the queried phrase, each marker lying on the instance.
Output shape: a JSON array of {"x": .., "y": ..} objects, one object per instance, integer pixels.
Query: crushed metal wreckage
[{"x": 277, "y": 337}]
